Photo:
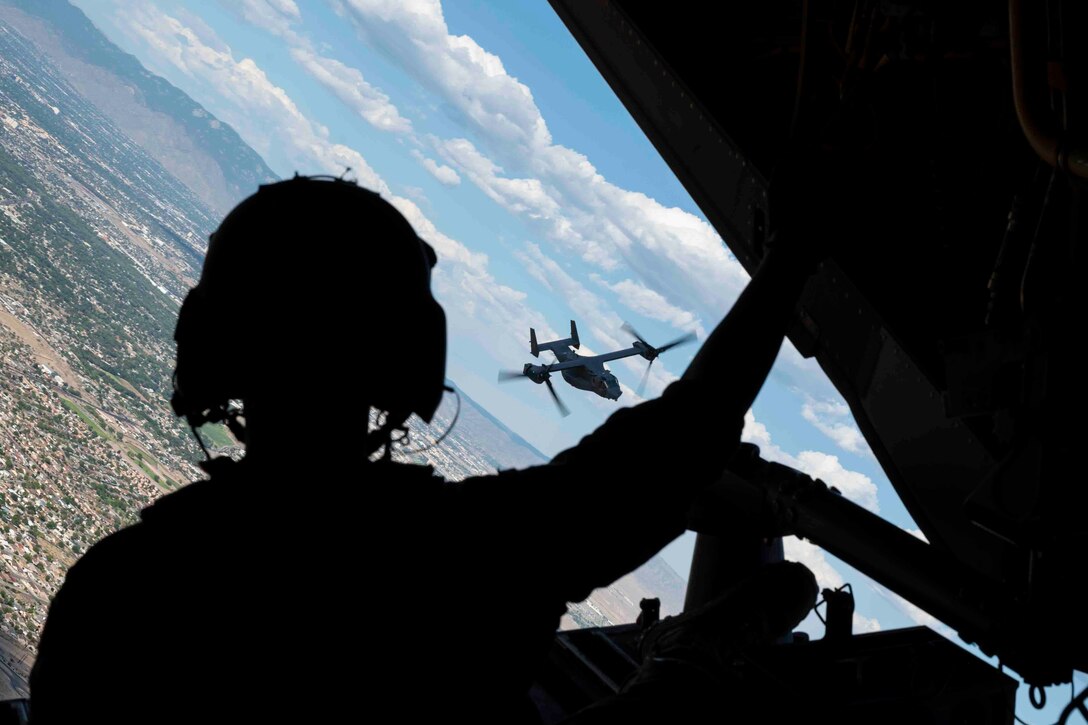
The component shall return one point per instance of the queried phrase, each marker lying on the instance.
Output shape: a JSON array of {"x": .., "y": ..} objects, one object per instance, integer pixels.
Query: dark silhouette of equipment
[
  {"x": 587, "y": 372},
  {"x": 942, "y": 142}
]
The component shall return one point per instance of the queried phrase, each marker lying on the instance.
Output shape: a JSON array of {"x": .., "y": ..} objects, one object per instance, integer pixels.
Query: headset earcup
[
  {"x": 202, "y": 380},
  {"x": 416, "y": 383}
]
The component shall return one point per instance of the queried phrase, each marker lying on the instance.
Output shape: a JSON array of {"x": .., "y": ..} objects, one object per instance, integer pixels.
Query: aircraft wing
[
  {"x": 568, "y": 365},
  {"x": 591, "y": 361},
  {"x": 609, "y": 356}
]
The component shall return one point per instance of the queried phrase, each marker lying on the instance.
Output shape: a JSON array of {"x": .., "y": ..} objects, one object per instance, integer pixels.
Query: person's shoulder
[
  {"x": 173, "y": 528},
  {"x": 125, "y": 547},
  {"x": 111, "y": 562},
  {"x": 193, "y": 498},
  {"x": 137, "y": 541},
  {"x": 229, "y": 486}
]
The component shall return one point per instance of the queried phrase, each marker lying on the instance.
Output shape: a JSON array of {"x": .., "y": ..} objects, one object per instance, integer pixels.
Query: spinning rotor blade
[
  {"x": 626, "y": 327},
  {"x": 563, "y": 410},
  {"x": 685, "y": 339},
  {"x": 506, "y": 376},
  {"x": 645, "y": 377},
  {"x": 682, "y": 340},
  {"x": 651, "y": 352}
]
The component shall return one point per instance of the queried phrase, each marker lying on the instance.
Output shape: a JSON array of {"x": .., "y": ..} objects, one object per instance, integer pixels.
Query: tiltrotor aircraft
[{"x": 587, "y": 372}]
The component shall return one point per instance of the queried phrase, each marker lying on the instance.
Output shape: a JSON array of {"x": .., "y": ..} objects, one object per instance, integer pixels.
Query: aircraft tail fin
[{"x": 555, "y": 345}]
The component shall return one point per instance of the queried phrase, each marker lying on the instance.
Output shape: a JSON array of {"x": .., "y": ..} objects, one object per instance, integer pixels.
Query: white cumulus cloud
[
  {"x": 352, "y": 89},
  {"x": 651, "y": 303},
  {"x": 280, "y": 17},
  {"x": 275, "y": 16},
  {"x": 833, "y": 419},
  {"x": 444, "y": 174},
  {"x": 863, "y": 624},
  {"x": 479, "y": 306},
  {"x": 669, "y": 250},
  {"x": 471, "y": 79},
  {"x": 245, "y": 97},
  {"x": 286, "y": 7},
  {"x": 855, "y": 486}
]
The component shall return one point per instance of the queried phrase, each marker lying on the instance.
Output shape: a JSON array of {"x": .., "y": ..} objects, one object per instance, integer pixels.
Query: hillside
[{"x": 204, "y": 153}]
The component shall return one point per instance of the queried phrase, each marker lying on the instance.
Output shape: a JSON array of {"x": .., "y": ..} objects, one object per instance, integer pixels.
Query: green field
[
  {"x": 91, "y": 422},
  {"x": 216, "y": 435},
  {"x": 122, "y": 386}
]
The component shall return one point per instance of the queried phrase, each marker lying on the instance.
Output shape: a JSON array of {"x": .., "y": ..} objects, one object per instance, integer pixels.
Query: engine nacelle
[
  {"x": 644, "y": 350},
  {"x": 537, "y": 374}
]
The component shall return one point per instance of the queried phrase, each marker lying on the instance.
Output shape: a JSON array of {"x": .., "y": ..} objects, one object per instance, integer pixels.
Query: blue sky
[{"x": 492, "y": 132}]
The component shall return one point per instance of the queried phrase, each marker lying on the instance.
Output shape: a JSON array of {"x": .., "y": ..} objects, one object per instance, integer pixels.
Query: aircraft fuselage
[{"x": 595, "y": 378}]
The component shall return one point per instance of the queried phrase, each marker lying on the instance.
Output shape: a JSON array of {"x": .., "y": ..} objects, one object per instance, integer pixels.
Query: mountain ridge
[{"x": 204, "y": 153}]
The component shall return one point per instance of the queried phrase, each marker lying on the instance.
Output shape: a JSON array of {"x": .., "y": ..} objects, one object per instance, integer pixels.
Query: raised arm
[
  {"x": 732, "y": 364},
  {"x": 605, "y": 506}
]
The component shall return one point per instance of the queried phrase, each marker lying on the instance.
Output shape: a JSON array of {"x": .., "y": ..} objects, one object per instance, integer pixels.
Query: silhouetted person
[{"x": 307, "y": 582}]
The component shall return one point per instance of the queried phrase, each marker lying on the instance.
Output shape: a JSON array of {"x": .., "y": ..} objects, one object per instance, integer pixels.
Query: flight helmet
[{"x": 316, "y": 290}]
